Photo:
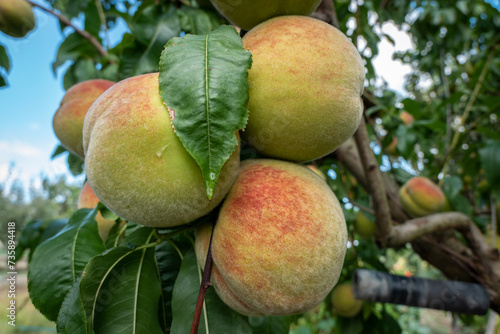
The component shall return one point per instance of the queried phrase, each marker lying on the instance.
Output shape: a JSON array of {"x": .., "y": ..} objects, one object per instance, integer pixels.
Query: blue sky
[{"x": 28, "y": 104}]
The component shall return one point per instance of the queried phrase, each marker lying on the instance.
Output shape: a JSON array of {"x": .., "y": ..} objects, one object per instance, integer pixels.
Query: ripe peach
[
  {"x": 392, "y": 148},
  {"x": 406, "y": 118},
  {"x": 421, "y": 197},
  {"x": 365, "y": 227},
  {"x": 88, "y": 199},
  {"x": 68, "y": 119},
  {"x": 16, "y": 17},
  {"x": 305, "y": 86},
  {"x": 137, "y": 165},
  {"x": 279, "y": 242},
  {"x": 343, "y": 301},
  {"x": 248, "y": 13}
]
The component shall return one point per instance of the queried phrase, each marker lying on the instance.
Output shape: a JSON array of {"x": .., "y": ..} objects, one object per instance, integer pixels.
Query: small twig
[
  {"x": 205, "y": 284},
  {"x": 102, "y": 18},
  {"x": 82, "y": 33},
  {"x": 376, "y": 186}
]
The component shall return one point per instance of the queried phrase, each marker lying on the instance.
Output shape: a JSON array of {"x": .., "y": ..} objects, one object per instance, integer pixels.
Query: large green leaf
[
  {"x": 120, "y": 291},
  {"x": 221, "y": 318},
  {"x": 203, "y": 81},
  {"x": 71, "y": 318},
  {"x": 59, "y": 261}
]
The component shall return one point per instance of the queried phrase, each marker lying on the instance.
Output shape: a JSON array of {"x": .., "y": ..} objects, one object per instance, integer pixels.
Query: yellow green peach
[{"x": 137, "y": 165}]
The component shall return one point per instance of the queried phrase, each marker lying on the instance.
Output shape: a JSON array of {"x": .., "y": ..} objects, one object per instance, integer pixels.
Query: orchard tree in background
[{"x": 424, "y": 167}]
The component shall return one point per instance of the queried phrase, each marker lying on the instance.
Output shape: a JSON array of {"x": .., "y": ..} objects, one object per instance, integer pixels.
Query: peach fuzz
[
  {"x": 305, "y": 88},
  {"x": 88, "y": 200},
  {"x": 421, "y": 197},
  {"x": 279, "y": 242},
  {"x": 137, "y": 165},
  {"x": 68, "y": 119}
]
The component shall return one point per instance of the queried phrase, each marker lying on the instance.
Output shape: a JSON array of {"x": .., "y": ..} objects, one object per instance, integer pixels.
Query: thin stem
[
  {"x": 205, "y": 284},
  {"x": 102, "y": 18},
  {"x": 464, "y": 117},
  {"x": 82, "y": 33}
]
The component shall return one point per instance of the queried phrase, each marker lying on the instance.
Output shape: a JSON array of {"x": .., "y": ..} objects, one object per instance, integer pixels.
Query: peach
[
  {"x": 16, "y": 17},
  {"x": 421, "y": 197},
  {"x": 392, "y": 148},
  {"x": 279, "y": 242},
  {"x": 304, "y": 88},
  {"x": 88, "y": 200},
  {"x": 364, "y": 226},
  {"x": 137, "y": 165},
  {"x": 343, "y": 301},
  {"x": 68, "y": 119},
  {"x": 248, "y": 13},
  {"x": 406, "y": 117}
]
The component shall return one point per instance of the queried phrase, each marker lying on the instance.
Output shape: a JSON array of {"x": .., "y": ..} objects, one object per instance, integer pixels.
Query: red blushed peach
[
  {"x": 68, "y": 119},
  {"x": 421, "y": 197},
  {"x": 279, "y": 242}
]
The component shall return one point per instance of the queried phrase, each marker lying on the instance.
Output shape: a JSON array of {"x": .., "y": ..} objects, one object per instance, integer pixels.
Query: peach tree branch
[
  {"x": 82, "y": 33},
  {"x": 375, "y": 185}
]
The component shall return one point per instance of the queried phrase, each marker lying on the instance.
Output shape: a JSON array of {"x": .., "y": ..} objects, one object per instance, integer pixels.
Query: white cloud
[
  {"x": 392, "y": 71},
  {"x": 13, "y": 149}
]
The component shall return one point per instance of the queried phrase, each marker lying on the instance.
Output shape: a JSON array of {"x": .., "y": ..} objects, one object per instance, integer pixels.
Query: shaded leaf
[
  {"x": 490, "y": 161},
  {"x": 169, "y": 263},
  {"x": 4, "y": 59},
  {"x": 59, "y": 261},
  {"x": 221, "y": 318},
  {"x": 120, "y": 292},
  {"x": 73, "y": 47},
  {"x": 71, "y": 318}
]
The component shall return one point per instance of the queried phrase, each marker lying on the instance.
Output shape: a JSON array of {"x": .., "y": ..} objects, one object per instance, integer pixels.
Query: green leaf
[
  {"x": 221, "y": 318},
  {"x": 203, "y": 81},
  {"x": 73, "y": 47},
  {"x": 197, "y": 21},
  {"x": 71, "y": 318},
  {"x": 120, "y": 292},
  {"x": 36, "y": 232},
  {"x": 169, "y": 263},
  {"x": 490, "y": 161},
  {"x": 151, "y": 32},
  {"x": 59, "y": 261},
  {"x": 58, "y": 151},
  {"x": 270, "y": 325},
  {"x": 4, "y": 59},
  {"x": 3, "y": 82},
  {"x": 75, "y": 164}
]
